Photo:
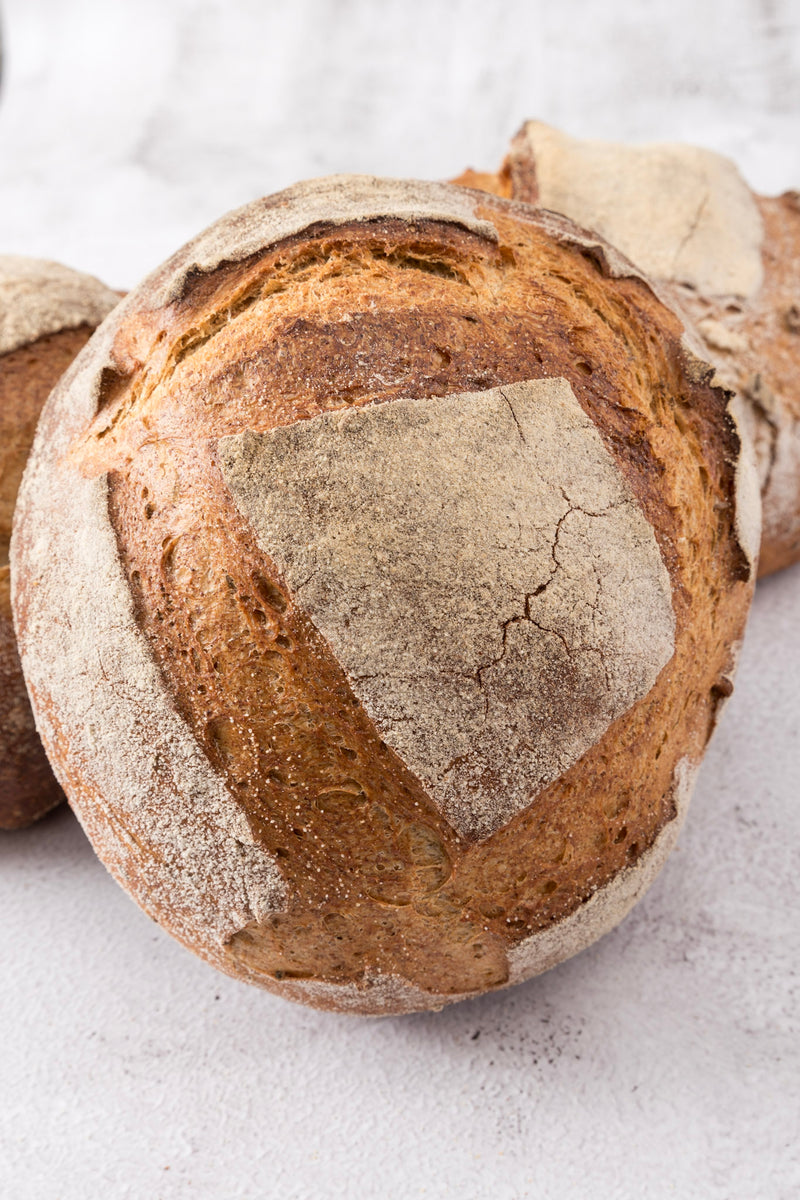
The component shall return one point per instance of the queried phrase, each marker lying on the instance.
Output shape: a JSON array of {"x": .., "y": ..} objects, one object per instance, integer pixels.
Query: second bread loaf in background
[
  {"x": 725, "y": 257},
  {"x": 47, "y": 314}
]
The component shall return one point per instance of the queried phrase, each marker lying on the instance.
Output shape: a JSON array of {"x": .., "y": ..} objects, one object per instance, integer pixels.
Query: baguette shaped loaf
[
  {"x": 726, "y": 258},
  {"x": 379, "y": 573},
  {"x": 47, "y": 313}
]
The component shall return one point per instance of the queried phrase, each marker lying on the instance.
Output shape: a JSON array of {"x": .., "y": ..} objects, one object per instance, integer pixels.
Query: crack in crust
[{"x": 349, "y": 507}]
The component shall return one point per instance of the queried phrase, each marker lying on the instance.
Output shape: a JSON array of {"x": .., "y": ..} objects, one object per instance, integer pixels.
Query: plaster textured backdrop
[{"x": 662, "y": 1062}]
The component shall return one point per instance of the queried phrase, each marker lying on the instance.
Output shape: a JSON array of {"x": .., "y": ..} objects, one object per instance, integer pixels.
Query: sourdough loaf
[
  {"x": 727, "y": 258},
  {"x": 380, "y": 568},
  {"x": 47, "y": 313}
]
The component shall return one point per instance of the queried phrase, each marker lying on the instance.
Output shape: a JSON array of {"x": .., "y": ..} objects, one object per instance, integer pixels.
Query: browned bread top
[
  {"x": 404, "y": 551},
  {"x": 47, "y": 313}
]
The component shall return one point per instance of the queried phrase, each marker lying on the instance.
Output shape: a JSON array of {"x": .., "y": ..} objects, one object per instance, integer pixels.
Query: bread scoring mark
[
  {"x": 38, "y": 297},
  {"x": 334, "y": 200},
  {"x": 266, "y": 299},
  {"x": 159, "y": 815},
  {"x": 680, "y": 213},
  {"x": 479, "y": 568}
]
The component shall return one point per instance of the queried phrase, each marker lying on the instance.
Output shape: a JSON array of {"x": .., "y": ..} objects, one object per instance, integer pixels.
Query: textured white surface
[
  {"x": 126, "y": 128},
  {"x": 662, "y": 1062}
]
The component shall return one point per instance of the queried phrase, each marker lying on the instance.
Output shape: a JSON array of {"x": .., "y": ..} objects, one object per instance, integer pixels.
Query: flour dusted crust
[
  {"x": 679, "y": 212},
  {"x": 47, "y": 313},
  {"x": 38, "y": 297},
  {"x": 598, "y": 915},
  {"x": 222, "y": 743},
  {"x": 609, "y": 905},
  {"x": 341, "y": 198},
  {"x": 449, "y": 657},
  {"x": 725, "y": 257}
]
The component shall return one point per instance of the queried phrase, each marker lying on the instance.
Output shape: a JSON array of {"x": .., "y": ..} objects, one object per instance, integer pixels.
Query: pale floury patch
[
  {"x": 481, "y": 570},
  {"x": 38, "y": 297},
  {"x": 682, "y": 214}
]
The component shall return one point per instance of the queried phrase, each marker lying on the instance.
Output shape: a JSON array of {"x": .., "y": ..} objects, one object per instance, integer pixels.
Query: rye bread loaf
[
  {"x": 727, "y": 258},
  {"x": 380, "y": 569},
  {"x": 47, "y": 313}
]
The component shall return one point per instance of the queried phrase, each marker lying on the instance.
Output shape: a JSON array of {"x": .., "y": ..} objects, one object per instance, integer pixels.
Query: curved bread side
[
  {"x": 157, "y": 812},
  {"x": 382, "y": 995}
]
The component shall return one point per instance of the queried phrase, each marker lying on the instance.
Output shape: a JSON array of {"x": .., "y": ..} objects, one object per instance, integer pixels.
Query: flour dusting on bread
[
  {"x": 481, "y": 570},
  {"x": 38, "y": 297},
  {"x": 678, "y": 212}
]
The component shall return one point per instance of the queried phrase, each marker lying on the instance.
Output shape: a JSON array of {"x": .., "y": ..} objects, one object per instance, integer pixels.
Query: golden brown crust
[
  {"x": 27, "y": 375},
  {"x": 367, "y": 313},
  {"x": 27, "y": 787},
  {"x": 498, "y": 184}
]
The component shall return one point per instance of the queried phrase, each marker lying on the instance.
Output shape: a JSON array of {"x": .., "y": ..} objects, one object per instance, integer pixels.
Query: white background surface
[{"x": 662, "y": 1062}]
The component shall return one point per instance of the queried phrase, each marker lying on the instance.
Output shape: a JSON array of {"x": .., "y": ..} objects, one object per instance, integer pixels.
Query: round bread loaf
[
  {"x": 380, "y": 568},
  {"x": 727, "y": 258},
  {"x": 47, "y": 313}
]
